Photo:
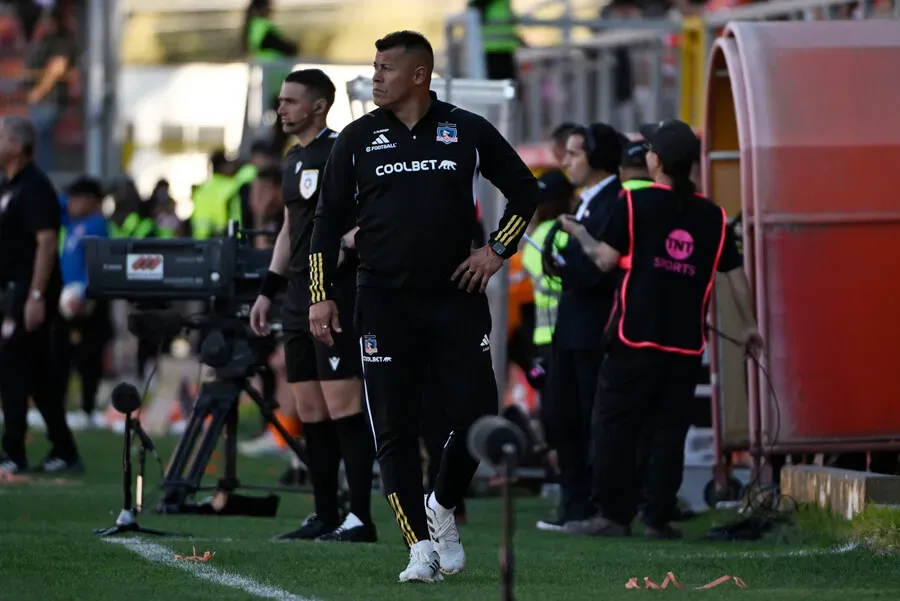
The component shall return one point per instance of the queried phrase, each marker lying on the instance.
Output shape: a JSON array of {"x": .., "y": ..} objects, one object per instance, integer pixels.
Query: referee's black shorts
[{"x": 307, "y": 359}]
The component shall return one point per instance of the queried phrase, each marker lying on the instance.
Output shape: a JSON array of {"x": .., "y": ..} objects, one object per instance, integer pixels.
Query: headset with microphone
[
  {"x": 600, "y": 142},
  {"x": 602, "y": 145}
]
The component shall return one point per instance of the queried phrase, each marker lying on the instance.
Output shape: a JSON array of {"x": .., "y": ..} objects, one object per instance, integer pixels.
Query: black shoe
[
  {"x": 683, "y": 515},
  {"x": 598, "y": 526},
  {"x": 312, "y": 528},
  {"x": 666, "y": 532},
  {"x": 293, "y": 476},
  {"x": 58, "y": 465},
  {"x": 366, "y": 533}
]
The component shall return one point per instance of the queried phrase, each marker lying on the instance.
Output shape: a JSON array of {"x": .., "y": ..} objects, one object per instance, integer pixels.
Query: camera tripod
[{"x": 236, "y": 355}]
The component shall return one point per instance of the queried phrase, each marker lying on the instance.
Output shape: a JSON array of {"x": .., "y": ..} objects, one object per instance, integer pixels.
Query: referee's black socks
[
  {"x": 324, "y": 452},
  {"x": 358, "y": 449}
]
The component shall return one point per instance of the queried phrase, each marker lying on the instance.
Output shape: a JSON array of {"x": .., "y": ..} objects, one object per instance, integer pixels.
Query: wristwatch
[
  {"x": 36, "y": 295},
  {"x": 498, "y": 248}
]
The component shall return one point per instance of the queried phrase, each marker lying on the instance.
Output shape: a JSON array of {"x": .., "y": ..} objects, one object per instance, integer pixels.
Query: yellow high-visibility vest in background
[
  {"x": 547, "y": 289},
  {"x": 498, "y": 28},
  {"x": 214, "y": 205}
]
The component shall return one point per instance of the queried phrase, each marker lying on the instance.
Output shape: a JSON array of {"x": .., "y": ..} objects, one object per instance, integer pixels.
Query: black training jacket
[{"x": 413, "y": 193}]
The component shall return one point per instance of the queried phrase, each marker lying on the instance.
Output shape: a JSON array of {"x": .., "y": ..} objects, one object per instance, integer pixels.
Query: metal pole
[
  {"x": 451, "y": 66},
  {"x": 115, "y": 130},
  {"x": 96, "y": 87},
  {"x": 474, "y": 40},
  {"x": 567, "y": 28}
]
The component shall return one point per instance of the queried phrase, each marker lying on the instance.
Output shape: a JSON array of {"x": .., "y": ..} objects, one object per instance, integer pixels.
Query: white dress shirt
[{"x": 588, "y": 193}]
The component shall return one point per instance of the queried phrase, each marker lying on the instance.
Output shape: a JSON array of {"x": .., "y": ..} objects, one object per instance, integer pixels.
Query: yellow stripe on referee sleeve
[
  {"x": 513, "y": 227},
  {"x": 408, "y": 535}
]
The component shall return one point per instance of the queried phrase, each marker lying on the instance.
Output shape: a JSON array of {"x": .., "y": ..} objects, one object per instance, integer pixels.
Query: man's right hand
[
  {"x": 323, "y": 319},
  {"x": 259, "y": 316}
]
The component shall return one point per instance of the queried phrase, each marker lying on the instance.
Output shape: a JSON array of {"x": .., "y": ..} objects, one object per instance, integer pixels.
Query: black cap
[
  {"x": 634, "y": 154},
  {"x": 552, "y": 183},
  {"x": 673, "y": 141}
]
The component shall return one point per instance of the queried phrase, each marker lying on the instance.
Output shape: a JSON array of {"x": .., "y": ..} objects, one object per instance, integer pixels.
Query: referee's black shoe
[
  {"x": 351, "y": 531},
  {"x": 313, "y": 527}
]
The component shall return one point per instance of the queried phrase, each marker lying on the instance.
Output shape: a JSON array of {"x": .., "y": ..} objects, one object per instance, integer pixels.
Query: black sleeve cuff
[{"x": 272, "y": 285}]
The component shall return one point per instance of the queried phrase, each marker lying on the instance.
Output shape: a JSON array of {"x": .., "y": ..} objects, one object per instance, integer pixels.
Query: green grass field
[{"x": 47, "y": 553}]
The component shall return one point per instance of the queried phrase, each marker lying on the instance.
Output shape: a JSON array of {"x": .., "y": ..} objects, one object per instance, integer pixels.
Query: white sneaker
[
  {"x": 8, "y": 466},
  {"x": 445, "y": 536},
  {"x": 36, "y": 420},
  {"x": 265, "y": 444},
  {"x": 98, "y": 420},
  {"x": 424, "y": 564},
  {"x": 551, "y": 525},
  {"x": 78, "y": 421}
]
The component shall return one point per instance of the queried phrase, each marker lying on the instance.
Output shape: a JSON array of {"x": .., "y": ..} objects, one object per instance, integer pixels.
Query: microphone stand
[
  {"x": 506, "y": 548},
  {"x": 139, "y": 485},
  {"x": 126, "y": 522}
]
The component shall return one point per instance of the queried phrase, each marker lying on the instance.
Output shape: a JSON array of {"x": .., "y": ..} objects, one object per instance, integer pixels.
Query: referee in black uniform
[
  {"x": 325, "y": 381},
  {"x": 671, "y": 242},
  {"x": 30, "y": 283},
  {"x": 409, "y": 169}
]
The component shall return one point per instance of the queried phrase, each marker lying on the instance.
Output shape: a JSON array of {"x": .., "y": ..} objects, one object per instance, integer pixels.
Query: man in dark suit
[{"x": 592, "y": 159}]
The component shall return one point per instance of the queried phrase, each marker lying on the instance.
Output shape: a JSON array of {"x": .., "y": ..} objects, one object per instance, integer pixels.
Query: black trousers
[
  {"x": 28, "y": 369},
  {"x": 640, "y": 421},
  {"x": 408, "y": 336},
  {"x": 82, "y": 343},
  {"x": 435, "y": 434},
  {"x": 572, "y": 385}
]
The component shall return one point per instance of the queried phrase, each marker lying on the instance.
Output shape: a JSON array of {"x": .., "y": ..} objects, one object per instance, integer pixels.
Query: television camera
[{"x": 225, "y": 274}]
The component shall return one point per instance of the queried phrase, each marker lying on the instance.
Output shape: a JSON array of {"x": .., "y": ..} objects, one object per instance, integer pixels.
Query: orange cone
[{"x": 291, "y": 424}]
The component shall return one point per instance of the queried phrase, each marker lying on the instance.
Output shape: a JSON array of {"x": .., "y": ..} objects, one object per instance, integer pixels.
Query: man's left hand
[
  {"x": 570, "y": 225},
  {"x": 349, "y": 239},
  {"x": 35, "y": 313},
  {"x": 476, "y": 271}
]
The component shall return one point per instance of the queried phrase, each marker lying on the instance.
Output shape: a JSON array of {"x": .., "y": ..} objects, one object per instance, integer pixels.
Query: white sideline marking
[
  {"x": 773, "y": 554},
  {"x": 166, "y": 556}
]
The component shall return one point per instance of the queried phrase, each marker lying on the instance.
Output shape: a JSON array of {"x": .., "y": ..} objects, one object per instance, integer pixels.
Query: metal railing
[
  {"x": 631, "y": 71},
  {"x": 622, "y": 77}
]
